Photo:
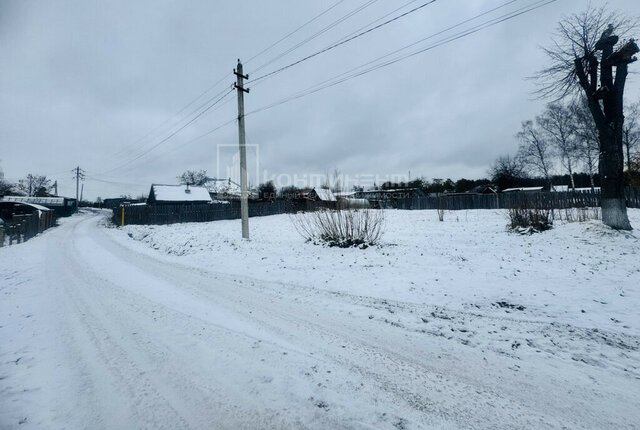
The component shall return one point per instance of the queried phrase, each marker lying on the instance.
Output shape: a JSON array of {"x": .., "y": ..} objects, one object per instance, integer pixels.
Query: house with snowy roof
[{"x": 177, "y": 195}]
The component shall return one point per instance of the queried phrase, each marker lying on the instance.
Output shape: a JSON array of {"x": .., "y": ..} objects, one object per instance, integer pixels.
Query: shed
[
  {"x": 321, "y": 198},
  {"x": 523, "y": 190},
  {"x": 321, "y": 194},
  {"x": 178, "y": 194}
]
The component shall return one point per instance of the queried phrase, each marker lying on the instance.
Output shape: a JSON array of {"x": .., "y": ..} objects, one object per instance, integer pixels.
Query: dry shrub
[
  {"x": 527, "y": 220},
  {"x": 342, "y": 227}
]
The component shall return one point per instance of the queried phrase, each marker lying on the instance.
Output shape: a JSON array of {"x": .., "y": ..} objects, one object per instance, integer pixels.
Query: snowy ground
[{"x": 456, "y": 324}]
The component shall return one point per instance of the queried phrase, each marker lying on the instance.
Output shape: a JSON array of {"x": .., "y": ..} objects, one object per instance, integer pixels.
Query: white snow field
[{"x": 454, "y": 324}]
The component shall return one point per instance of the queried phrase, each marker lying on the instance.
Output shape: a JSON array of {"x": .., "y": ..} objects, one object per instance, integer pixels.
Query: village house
[{"x": 177, "y": 195}]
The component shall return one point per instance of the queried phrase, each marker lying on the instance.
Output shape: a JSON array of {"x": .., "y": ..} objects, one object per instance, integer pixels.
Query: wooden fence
[
  {"x": 168, "y": 214},
  {"x": 23, "y": 227},
  {"x": 510, "y": 200}
]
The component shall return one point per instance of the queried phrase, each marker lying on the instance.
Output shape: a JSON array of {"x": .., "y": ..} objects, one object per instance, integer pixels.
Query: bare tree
[
  {"x": 557, "y": 123},
  {"x": 506, "y": 171},
  {"x": 587, "y": 136},
  {"x": 5, "y": 187},
  {"x": 584, "y": 56},
  {"x": 535, "y": 151},
  {"x": 631, "y": 132},
  {"x": 35, "y": 185},
  {"x": 193, "y": 177}
]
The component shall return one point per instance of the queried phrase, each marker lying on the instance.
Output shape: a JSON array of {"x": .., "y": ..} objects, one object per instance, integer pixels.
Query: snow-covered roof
[
  {"x": 508, "y": 190},
  {"x": 325, "y": 194},
  {"x": 344, "y": 193},
  {"x": 179, "y": 193},
  {"x": 33, "y": 205},
  {"x": 560, "y": 188},
  {"x": 49, "y": 201}
]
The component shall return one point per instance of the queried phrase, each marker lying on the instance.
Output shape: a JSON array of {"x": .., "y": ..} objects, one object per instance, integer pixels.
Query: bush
[
  {"x": 527, "y": 221},
  {"x": 342, "y": 227}
]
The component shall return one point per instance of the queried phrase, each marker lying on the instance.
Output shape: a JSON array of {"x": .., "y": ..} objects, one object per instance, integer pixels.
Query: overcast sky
[{"x": 98, "y": 84}]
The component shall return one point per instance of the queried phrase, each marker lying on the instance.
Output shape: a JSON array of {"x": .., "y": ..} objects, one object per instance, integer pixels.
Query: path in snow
[{"x": 95, "y": 334}]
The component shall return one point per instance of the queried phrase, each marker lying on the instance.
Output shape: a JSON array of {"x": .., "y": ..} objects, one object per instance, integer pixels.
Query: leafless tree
[
  {"x": 5, "y": 187},
  {"x": 558, "y": 126},
  {"x": 505, "y": 171},
  {"x": 35, "y": 185},
  {"x": 585, "y": 56},
  {"x": 193, "y": 177},
  {"x": 587, "y": 135},
  {"x": 535, "y": 151},
  {"x": 631, "y": 132}
]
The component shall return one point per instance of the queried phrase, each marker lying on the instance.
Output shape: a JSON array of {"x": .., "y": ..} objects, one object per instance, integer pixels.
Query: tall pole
[
  {"x": 244, "y": 196},
  {"x": 77, "y": 184}
]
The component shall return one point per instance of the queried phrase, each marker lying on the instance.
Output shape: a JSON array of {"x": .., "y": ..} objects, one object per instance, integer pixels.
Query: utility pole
[
  {"x": 244, "y": 197},
  {"x": 79, "y": 175}
]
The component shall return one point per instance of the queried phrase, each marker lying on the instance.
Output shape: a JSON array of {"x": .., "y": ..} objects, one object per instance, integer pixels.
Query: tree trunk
[
  {"x": 611, "y": 165},
  {"x": 573, "y": 182}
]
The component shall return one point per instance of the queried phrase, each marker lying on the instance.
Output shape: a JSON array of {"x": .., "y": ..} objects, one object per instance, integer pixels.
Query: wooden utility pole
[
  {"x": 79, "y": 175},
  {"x": 244, "y": 197}
]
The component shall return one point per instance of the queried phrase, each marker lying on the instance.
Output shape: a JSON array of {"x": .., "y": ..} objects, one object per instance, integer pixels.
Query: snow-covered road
[{"x": 96, "y": 334}]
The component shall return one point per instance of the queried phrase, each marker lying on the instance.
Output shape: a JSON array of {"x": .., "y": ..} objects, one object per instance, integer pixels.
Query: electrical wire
[
  {"x": 342, "y": 42},
  {"x": 285, "y": 37},
  {"x": 170, "y": 135},
  {"x": 317, "y": 34},
  {"x": 348, "y": 75}
]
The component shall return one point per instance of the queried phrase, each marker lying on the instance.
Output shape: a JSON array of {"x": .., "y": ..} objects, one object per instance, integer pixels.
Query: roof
[
  {"x": 179, "y": 193},
  {"x": 32, "y": 205},
  {"x": 345, "y": 193},
  {"x": 49, "y": 201},
  {"x": 509, "y": 190},
  {"x": 325, "y": 194}
]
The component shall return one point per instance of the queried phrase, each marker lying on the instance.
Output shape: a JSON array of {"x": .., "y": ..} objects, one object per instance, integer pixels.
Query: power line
[
  {"x": 160, "y": 126},
  {"x": 349, "y": 75},
  {"x": 343, "y": 41},
  {"x": 205, "y": 105},
  {"x": 319, "y": 33},
  {"x": 171, "y": 135},
  {"x": 166, "y": 121},
  {"x": 295, "y": 31}
]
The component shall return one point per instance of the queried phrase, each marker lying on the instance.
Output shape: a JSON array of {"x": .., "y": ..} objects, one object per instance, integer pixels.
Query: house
[
  {"x": 62, "y": 206},
  {"x": 177, "y": 194}
]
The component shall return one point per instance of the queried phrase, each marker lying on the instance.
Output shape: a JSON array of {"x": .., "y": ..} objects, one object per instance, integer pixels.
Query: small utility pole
[{"x": 244, "y": 197}]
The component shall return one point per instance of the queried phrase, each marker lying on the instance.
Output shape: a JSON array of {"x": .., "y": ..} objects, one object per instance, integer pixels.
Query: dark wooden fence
[
  {"x": 23, "y": 227},
  {"x": 510, "y": 200},
  {"x": 168, "y": 214}
]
